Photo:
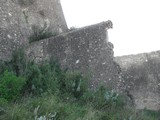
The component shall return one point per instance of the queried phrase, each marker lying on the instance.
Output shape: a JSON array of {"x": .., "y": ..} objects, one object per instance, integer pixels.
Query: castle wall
[
  {"x": 85, "y": 49},
  {"x": 17, "y": 18},
  {"x": 141, "y": 73}
]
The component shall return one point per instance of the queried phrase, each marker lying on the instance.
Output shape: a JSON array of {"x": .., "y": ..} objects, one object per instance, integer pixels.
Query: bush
[
  {"x": 3, "y": 67},
  {"x": 39, "y": 34},
  {"x": 49, "y": 77},
  {"x": 11, "y": 86},
  {"x": 25, "y": 2},
  {"x": 103, "y": 99},
  {"x": 18, "y": 62},
  {"x": 75, "y": 84},
  {"x": 33, "y": 79},
  {"x": 44, "y": 77},
  {"x": 3, "y": 102}
]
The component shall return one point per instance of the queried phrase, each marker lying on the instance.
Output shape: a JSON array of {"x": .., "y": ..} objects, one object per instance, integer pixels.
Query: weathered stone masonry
[
  {"x": 142, "y": 78},
  {"x": 86, "y": 50},
  {"x": 17, "y": 17}
]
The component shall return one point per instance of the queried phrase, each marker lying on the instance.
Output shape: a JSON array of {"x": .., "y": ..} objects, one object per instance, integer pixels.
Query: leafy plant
[
  {"x": 112, "y": 98},
  {"x": 25, "y": 2},
  {"x": 33, "y": 79},
  {"x": 40, "y": 33},
  {"x": 72, "y": 28},
  {"x": 76, "y": 84},
  {"x": 3, "y": 67},
  {"x": 43, "y": 77},
  {"x": 11, "y": 86},
  {"x": 18, "y": 62}
]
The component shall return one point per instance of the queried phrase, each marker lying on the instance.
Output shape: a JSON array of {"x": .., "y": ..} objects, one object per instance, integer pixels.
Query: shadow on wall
[{"x": 143, "y": 82}]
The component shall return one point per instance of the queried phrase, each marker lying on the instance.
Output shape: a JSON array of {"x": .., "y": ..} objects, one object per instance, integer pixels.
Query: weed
[
  {"x": 39, "y": 34},
  {"x": 25, "y": 2},
  {"x": 10, "y": 86}
]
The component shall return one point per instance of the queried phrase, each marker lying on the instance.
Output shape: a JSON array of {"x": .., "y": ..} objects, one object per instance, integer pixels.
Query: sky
[{"x": 136, "y": 23}]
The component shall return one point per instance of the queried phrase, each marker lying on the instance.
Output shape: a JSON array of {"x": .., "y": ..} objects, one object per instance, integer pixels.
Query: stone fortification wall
[
  {"x": 17, "y": 18},
  {"x": 86, "y": 49},
  {"x": 142, "y": 78}
]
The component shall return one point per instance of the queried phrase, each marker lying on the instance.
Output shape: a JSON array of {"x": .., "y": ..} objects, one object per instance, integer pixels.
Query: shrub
[
  {"x": 18, "y": 62},
  {"x": 25, "y": 2},
  {"x": 46, "y": 76},
  {"x": 33, "y": 79},
  {"x": 49, "y": 77},
  {"x": 103, "y": 99},
  {"x": 72, "y": 28},
  {"x": 4, "y": 66},
  {"x": 3, "y": 102},
  {"x": 39, "y": 34},
  {"x": 75, "y": 84},
  {"x": 99, "y": 97},
  {"x": 11, "y": 86}
]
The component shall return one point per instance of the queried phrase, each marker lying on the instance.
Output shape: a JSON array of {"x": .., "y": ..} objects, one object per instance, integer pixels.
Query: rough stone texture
[
  {"x": 17, "y": 17},
  {"x": 86, "y": 49},
  {"x": 142, "y": 78}
]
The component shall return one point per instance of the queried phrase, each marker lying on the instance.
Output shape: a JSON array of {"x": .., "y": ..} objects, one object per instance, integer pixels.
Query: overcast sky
[{"x": 136, "y": 23}]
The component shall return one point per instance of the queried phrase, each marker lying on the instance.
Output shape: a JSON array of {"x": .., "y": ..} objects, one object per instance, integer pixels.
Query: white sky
[{"x": 136, "y": 23}]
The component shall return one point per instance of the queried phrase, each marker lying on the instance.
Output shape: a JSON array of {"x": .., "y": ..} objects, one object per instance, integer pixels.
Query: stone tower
[{"x": 17, "y": 18}]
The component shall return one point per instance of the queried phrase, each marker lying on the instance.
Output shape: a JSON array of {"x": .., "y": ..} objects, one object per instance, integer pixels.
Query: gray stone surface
[
  {"x": 18, "y": 16},
  {"x": 142, "y": 78},
  {"x": 86, "y": 49}
]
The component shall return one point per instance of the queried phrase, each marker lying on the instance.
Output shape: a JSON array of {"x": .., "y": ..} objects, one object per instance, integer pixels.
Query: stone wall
[
  {"x": 142, "y": 78},
  {"x": 17, "y": 17},
  {"x": 86, "y": 49}
]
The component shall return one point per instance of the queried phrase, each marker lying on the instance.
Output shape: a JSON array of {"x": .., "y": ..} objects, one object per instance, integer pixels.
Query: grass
[
  {"x": 68, "y": 109},
  {"x": 48, "y": 104}
]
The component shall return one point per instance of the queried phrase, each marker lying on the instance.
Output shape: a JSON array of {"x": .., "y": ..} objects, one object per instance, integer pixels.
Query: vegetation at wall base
[{"x": 44, "y": 91}]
